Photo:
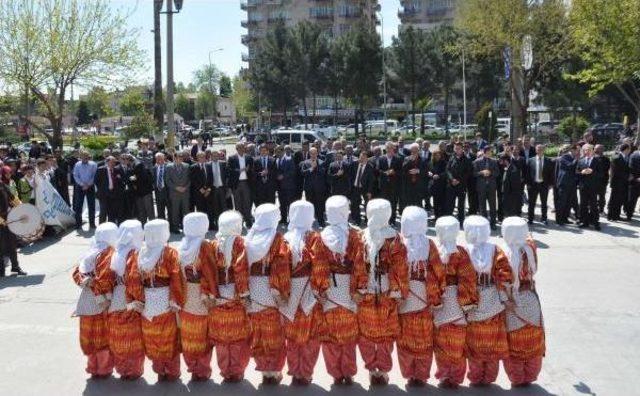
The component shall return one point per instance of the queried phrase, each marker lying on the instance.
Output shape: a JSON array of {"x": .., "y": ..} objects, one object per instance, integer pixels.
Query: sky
[{"x": 208, "y": 25}]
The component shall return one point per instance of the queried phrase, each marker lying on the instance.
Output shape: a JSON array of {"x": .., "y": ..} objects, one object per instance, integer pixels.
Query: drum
[{"x": 26, "y": 222}]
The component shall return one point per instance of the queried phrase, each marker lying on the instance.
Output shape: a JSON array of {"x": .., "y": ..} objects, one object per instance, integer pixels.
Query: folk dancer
[
  {"x": 333, "y": 282},
  {"x": 486, "y": 331},
  {"x": 382, "y": 281},
  {"x": 269, "y": 261},
  {"x": 460, "y": 296},
  {"x": 525, "y": 328},
  {"x": 426, "y": 286},
  {"x": 157, "y": 290},
  {"x": 92, "y": 304}
]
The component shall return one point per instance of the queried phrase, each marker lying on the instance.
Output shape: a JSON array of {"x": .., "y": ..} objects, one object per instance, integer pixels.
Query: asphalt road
[{"x": 587, "y": 280}]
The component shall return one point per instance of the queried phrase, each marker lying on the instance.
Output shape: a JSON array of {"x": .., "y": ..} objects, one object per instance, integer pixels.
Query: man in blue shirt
[{"x": 84, "y": 173}]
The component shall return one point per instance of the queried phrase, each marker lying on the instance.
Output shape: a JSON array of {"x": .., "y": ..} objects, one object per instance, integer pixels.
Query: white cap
[
  {"x": 414, "y": 221},
  {"x": 106, "y": 233},
  {"x": 229, "y": 224},
  {"x": 476, "y": 230},
  {"x": 378, "y": 213},
  {"x": 447, "y": 228},
  {"x": 266, "y": 216},
  {"x": 195, "y": 224},
  {"x": 156, "y": 233},
  {"x": 301, "y": 215},
  {"x": 337, "y": 209},
  {"x": 130, "y": 233},
  {"x": 514, "y": 230}
]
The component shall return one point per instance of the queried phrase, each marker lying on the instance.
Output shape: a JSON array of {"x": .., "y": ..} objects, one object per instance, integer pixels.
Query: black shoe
[
  {"x": 597, "y": 227},
  {"x": 583, "y": 225},
  {"x": 545, "y": 222},
  {"x": 530, "y": 222},
  {"x": 18, "y": 271},
  {"x": 92, "y": 226}
]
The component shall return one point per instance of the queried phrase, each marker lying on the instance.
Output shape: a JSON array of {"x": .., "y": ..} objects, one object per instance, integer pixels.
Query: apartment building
[{"x": 426, "y": 14}]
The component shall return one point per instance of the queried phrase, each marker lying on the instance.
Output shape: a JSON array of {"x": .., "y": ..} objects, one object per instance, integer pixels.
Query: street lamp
[
  {"x": 171, "y": 126},
  {"x": 384, "y": 75}
]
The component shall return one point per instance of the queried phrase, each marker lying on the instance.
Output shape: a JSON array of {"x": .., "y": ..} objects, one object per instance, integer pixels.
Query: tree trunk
[
  {"x": 335, "y": 110},
  {"x": 446, "y": 111}
]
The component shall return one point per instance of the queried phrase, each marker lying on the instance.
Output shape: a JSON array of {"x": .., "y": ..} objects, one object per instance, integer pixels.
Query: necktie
[
  {"x": 161, "y": 177},
  {"x": 110, "y": 179},
  {"x": 358, "y": 175},
  {"x": 539, "y": 170}
]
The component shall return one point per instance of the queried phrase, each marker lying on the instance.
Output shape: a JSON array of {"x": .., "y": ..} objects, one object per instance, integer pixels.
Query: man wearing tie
[
  {"x": 201, "y": 183},
  {"x": 566, "y": 183},
  {"x": 266, "y": 177},
  {"x": 287, "y": 180},
  {"x": 338, "y": 176},
  {"x": 239, "y": 179},
  {"x": 217, "y": 197},
  {"x": 539, "y": 177},
  {"x": 362, "y": 179},
  {"x": 178, "y": 183},
  {"x": 162, "y": 195},
  {"x": 110, "y": 186},
  {"x": 619, "y": 182},
  {"x": 415, "y": 177},
  {"x": 390, "y": 170},
  {"x": 315, "y": 183},
  {"x": 589, "y": 178},
  {"x": 486, "y": 171}
]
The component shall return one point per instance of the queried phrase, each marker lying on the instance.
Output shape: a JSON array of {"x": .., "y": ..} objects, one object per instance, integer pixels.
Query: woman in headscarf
[
  {"x": 124, "y": 329},
  {"x": 426, "y": 285},
  {"x": 302, "y": 314},
  {"x": 333, "y": 283},
  {"x": 486, "y": 331},
  {"x": 156, "y": 287},
  {"x": 382, "y": 282},
  {"x": 525, "y": 328},
  {"x": 460, "y": 296},
  {"x": 91, "y": 309},
  {"x": 226, "y": 286},
  {"x": 195, "y": 253},
  {"x": 269, "y": 261}
]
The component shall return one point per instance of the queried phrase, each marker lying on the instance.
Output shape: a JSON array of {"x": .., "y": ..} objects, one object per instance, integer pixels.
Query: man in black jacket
[
  {"x": 634, "y": 183},
  {"x": 287, "y": 180},
  {"x": 201, "y": 183},
  {"x": 315, "y": 183},
  {"x": 389, "y": 168},
  {"x": 458, "y": 170},
  {"x": 216, "y": 201},
  {"x": 511, "y": 187},
  {"x": 110, "y": 185},
  {"x": 619, "y": 183},
  {"x": 338, "y": 175},
  {"x": 362, "y": 180},
  {"x": 415, "y": 178},
  {"x": 540, "y": 175},
  {"x": 239, "y": 178},
  {"x": 486, "y": 171},
  {"x": 142, "y": 186},
  {"x": 266, "y": 177},
  {"x": 605, "y": 164},
  {"x": 590, "y": 172}
]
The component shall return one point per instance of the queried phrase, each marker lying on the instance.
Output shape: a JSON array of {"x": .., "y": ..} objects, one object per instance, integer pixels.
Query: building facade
[
  {"x": 426, "y": 14},
  {"x": 335, "y": 16}
]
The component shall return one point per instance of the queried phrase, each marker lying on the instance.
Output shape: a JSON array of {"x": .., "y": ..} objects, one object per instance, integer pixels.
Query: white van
[
  {"x": 295, "y": 138},
  {"x": 377, "y": 126}
]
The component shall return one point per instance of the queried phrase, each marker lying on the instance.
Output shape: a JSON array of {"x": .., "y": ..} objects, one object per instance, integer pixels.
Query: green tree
[
  {"x": 132, "y": 103},
  {"x": 83, "y": 114},
  {"x": 47, "y": 45},
  {"x": 142, "y": 124},
  {"x": 98, "y": 102},
  {"x": 573, "y": 127},
  {"x": 243, "y": 99},
  {"x": 445, "y": 63},
  {"x": 206, "y": 81},
  {"x": 205, "y": 105},
  {"x": 226, "y": 89},
  {"x": 606, "y": 33},
  {"x": 185, "y": 107}
]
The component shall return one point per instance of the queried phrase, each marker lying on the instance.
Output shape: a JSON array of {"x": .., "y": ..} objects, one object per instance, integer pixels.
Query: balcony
[
  {"x": 246, "y": 57},
  {"x": 243, "y": 5},
  {"x": 251, "y": 22},
  {"x": 248, "y": 38},
  {"x": 408, "y": 13}
]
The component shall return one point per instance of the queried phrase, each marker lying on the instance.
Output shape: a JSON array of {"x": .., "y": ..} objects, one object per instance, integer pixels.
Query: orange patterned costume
[
  {"x": 124, "y": 325},
  {"x": 339, "y": 333},
  {"x": 94, "y": 340},
  {"x": 378, "y": 310},
  {"x": 160, "y": 332},
  {"x": 229, "y": 326},
  {"x": 450, "y": 335},
  {"x": 415, "y": 342},
  {"x": 268, "y": 339}
]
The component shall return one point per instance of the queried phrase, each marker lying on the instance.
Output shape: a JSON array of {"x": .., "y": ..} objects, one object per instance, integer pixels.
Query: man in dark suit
[
  {"x": 619, "y": 183},
  {"x": 160, "y": 188},
  {"x": 566, "y": 183},
  {"x": 605, "y": 164},
  {"x": 140, "y": 182},
  {"x": 472, "y": 193},
  {"x": 110, "y": 184},
  {"x": 540, "y": 175},
  {"x": 590, "y": 173},
  {"x": 299, "y": 157},
  {"x": 61, "y": 175},
  {"x": 201, "y": 183},
  {"x": 458, "y": 170},
  {"x": 199, "y": 147},
  {"x": 486, "y": 171},
  {"x": 389, "y": 178},
  {"x": 178, "y": 183},
  {"x": 361, "y": 179},
  {"x": 528, "y": 150},
  {"x": 266, "y": 174},
  {"x": 415, "y": 178},
  {"x": 315, "y": 183},
  {"x": 287, "y": 180},
  {"x": 634, "y": 183},
  {"x": 216, "y": 201},
  {"x": 239, "y": 179},
  {"x": 511, "y": 187},
  {"x": 337, "y": 175}
]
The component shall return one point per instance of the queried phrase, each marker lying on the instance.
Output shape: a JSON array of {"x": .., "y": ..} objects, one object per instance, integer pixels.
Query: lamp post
[
  {"x": 384, "y": 76},
  {"x": 464, "y": 97},
  {"x": 171, "y": 126},
  {"x": 213, "y": 94}
]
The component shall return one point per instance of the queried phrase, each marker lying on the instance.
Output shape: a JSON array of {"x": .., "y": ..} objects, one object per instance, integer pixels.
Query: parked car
[{"x": 295, "y": 138}]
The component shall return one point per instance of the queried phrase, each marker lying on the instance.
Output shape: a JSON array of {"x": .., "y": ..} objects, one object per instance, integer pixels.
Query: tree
[
  {"x": 83, "y": 114},
  {"x": 445, "y": 63},
  {"x": 205, "y": 105},
  {"x": 98, "y": 102},
  {"x": 132, "y": 102},
  {"x": 185, "y": 107},
  {"x": 226, "y": 89},
  {"x": 141, "y": 125},
  {"x": 497, "y": 27},
  {"x": 606, "y": 33},
  {"x": 243, "y": 99},
  {"x": 47, "y": 45},
  {"x": 206, "y": 81}
]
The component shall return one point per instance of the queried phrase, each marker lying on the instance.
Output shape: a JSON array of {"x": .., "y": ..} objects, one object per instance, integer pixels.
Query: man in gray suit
[
  {"x": 486, "y": 171},
  {"x": 177, "y": 180}
]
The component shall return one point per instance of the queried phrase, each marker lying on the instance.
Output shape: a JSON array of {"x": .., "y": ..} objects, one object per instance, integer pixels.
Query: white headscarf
[
  {"x": 258, "y": 240},
  {"x": 378, "y": 228},
  {"x": 447, "y": 229},
  {"x": 195, "y": 226},
  {"x": 229, "y": 227},
  {"x": 130, "y": 237},
  {"x": 301, "y": 217},
  {"x": 335, "y": 236},
  {"x": 515, "y": 232},
  {"x": 413, "y": 227},
  {"x": 481, "y": 251},
  {"x": 105, "y": 236},
  {"x": 156, "y": 236}
]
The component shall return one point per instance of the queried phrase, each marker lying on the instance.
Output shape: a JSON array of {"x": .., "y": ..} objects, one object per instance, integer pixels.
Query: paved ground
[{"x": 587, "y": 281}]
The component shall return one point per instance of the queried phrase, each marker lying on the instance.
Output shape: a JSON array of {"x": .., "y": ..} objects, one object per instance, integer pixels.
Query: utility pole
[
  {"x": 384, "y": 76},
  {"x": 171, "y": 127},
  {"x": 158, "y": 111},
  {"x": 464, "y": 97}
]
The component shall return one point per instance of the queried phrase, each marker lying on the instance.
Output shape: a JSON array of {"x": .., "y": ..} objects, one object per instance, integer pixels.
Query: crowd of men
[{"x": 456, "y": 177}]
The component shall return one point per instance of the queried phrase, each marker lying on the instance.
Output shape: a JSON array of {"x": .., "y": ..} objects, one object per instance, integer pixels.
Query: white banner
[{"x": 54, "y": 210}]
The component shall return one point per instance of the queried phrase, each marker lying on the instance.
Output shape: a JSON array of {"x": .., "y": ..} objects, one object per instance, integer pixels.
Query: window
[
  {"x": 295, "y": 138},
  {"x": 283, "y": 138},
  {"x": 309, "y": 137}
]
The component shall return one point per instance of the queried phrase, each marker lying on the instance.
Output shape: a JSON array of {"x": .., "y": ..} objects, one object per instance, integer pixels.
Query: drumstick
[{"x": 22, "y": 219}]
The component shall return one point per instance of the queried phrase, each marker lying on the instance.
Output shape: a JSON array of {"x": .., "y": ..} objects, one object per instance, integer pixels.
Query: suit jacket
[
  {"x": 548, "y": 171},
  {"x": 177, "y": 176},
  {"x": 389, "y": 184},
  {"x": 459, "y": 169},
  {"x": 339, "y": 184},
  {"x": 223, "y": 173},
  {"x": 233, "y": 170},
  {"x": 486, "y": 182},
  {"x": 270, "y": 181},
  {"x": 594, "y": 180},
  {"x": 102, "y": 182},
  {"x": 200, "y": 178},
  {"x": 531, "y": 151},
  {"x": 512, "y": 181},
  {"x": 194, "y": 150},
  {"x": 415, "y": 184},
  {"x": 566, "y": 171},
  {"x": 288, "y": 175},
  {"x": 367, "y": 178},
  {"x": 619, "y": 171},
  {"x": 143, "y": 183},
  {"x": 606, "y": 164},
  {"x": 315, "y": 180}
]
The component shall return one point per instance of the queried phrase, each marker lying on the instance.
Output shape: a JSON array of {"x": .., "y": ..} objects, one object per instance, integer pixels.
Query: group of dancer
[{"x": 283, "y": 298}]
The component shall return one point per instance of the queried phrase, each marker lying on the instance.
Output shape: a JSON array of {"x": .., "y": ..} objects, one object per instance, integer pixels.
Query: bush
[
  {"x": 97, "y": 143},
  {"x": 552, "y": 151},
  {"x": 485, "y": 125},
  {"x": 572, "y": 127}
]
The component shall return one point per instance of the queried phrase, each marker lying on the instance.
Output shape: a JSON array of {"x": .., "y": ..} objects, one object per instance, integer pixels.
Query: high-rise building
[
  {"x": 335, "y": 16},
  {"x": 426, "y": 14}
]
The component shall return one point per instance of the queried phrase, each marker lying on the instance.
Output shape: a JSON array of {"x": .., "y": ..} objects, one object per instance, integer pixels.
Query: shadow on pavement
[{"x": 20, "y": 281}]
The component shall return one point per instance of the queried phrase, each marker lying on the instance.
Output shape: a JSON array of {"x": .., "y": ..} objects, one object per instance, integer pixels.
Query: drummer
[{"x": 8, "y": 242}]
